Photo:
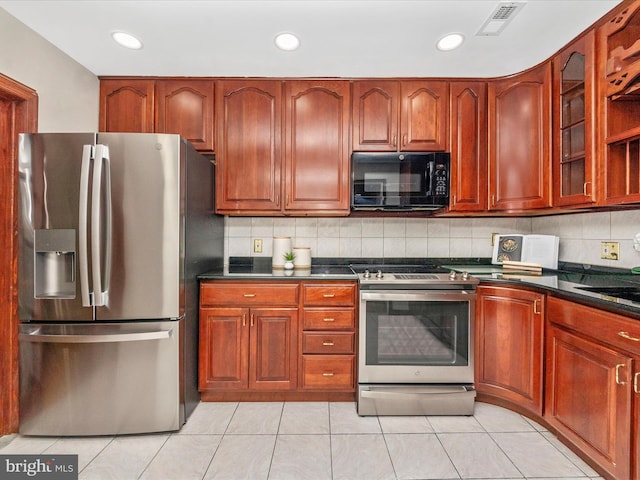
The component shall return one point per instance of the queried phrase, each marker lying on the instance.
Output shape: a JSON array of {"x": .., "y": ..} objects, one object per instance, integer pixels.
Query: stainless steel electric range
[{"x": 415, "y": 340}]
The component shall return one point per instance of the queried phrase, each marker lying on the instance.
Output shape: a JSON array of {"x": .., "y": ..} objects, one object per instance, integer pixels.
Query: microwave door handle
[{"x": 83, "y": 258}]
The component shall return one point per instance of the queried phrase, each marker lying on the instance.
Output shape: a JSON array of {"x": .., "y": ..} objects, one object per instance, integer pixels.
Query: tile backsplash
[{"x": 580, "y": 235}]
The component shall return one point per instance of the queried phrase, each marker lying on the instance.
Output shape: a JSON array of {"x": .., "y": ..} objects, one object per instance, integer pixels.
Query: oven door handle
[{"x": 421, "y": 295}]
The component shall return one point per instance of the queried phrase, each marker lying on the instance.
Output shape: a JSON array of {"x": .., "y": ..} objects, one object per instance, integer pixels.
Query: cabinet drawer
[
  {"x": 329, "y": 294},
  {"x": 605, "y": 327},
  {"x": 328, "y": 371},
  {"x": 328, "y": 319},
  {"x": 328, "y": 343},
  {"x": 248, "y": 294}
]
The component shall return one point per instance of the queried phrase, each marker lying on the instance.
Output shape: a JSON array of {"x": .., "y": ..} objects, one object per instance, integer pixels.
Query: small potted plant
[{"x": 289, "y": 257}]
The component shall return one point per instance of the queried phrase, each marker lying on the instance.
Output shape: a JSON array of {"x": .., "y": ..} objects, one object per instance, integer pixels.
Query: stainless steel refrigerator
[{"x": 113, "y": 230}]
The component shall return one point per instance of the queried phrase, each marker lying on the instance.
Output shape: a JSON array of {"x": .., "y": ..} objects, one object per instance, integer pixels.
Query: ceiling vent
[{"x": 500, "y": 18}]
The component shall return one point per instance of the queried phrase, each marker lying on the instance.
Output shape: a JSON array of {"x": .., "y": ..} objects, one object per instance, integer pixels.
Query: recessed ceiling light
[
  {"x": 287, "y": 41},
  {"x": 127, "y": 40},
  {"x": 450, "y": 41}
]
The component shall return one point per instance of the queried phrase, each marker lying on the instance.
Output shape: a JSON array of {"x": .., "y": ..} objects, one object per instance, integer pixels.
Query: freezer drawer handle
[{"x": 109, "y": 338}]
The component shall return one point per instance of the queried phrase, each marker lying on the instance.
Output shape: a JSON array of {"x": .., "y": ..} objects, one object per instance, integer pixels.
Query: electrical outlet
[
  {"x": 257, "y": 245},
  {"x": 610, "y": 250}
]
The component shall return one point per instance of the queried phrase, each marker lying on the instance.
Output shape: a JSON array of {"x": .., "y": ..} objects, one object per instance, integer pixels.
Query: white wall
[
  {"x": 580, "y": 235},
  {"x": 68, "y": 93}
]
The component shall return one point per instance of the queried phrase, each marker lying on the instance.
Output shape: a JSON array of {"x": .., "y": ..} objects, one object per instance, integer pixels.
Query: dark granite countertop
[{"x": 566, "y": 282}]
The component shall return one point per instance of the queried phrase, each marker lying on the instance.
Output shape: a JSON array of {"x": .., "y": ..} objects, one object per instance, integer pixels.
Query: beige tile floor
[{"x": 318, "y": 441}]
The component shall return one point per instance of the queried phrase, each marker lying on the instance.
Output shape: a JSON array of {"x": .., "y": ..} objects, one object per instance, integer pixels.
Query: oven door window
[{"x": 430, "y": 333}]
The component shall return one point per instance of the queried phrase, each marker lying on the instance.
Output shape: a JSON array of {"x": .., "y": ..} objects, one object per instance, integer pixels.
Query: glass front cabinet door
[{"x": 574, "y": 128}]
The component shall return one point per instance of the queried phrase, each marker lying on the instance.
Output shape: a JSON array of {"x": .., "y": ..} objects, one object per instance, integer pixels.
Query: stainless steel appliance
[
  {"x": 113, "y": 230},
  {"x": 415, "y": 351},
  {"x": 399, "y": 181}
]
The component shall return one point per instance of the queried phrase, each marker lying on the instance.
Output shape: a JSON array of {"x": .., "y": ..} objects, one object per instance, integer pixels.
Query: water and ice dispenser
[{"x": 55, "y": 263}]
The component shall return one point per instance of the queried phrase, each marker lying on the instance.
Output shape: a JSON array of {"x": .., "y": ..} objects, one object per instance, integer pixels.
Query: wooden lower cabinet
[
  {"x": 248, "y": 336},
  {"x": 592, "y": 399},
  {"x": 253, "y": 346},
  {"x": 509, "y": 345}
]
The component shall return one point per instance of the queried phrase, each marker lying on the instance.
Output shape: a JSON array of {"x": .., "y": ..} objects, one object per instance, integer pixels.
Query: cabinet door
[
  {"x": 588, "y": 398},
  {"x": 126, "y": 105},
  {"x": 424, "y": 115},
  {"x": 519, "y": 141},
  {"x": 273, "y": 349},
  {"x": 317, "y": 158},
  {"x": 224, "y": 348},
  {"x": 509, "y": 346},
  {"x": 468, "y": 127},
  {"x": 375, "y": 113},
  {"x": 185, "y": 107},
  {"x": 574, "y": 130},
  {"x": 249, "y": 139}
]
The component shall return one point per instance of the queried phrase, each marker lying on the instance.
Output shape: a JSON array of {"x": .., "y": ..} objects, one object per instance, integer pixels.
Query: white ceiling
[{"x": 339, "y": 38}]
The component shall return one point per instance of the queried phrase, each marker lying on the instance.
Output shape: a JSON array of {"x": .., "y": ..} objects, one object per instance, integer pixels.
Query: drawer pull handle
[
  {"x": 628, "y": 337},
  {"x": 244, "y": 319},
  {"x": 328, "y": 295},
  {"x": 635, "y": 382},
  {"x": 249, "y": 295},
  {"x": 328, "y": 319},
  {"x": 327, "y": 374},
  {"x": 252, "y": 319},
  {"x": 620, "y": 365},
  {"x": 328, "y": 344}
]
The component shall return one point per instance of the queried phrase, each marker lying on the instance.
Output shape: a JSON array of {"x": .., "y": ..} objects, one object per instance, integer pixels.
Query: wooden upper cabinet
[
  {"x": 468, "y": 146},
  {"x": 375, "y": 112},
  {"x": 393, "y": 115},
  {"x": 424, "y": 115},
  {"x": 619, "y": 64},
  {"x": 185, "y": 107},
  {"x": 574, "y": 129},
  {"x": 317, "y": 154},
  {"x": 126, "y": 105},
  {"x": 520, "y": 140},
  {"x": 249, "y": 155}
]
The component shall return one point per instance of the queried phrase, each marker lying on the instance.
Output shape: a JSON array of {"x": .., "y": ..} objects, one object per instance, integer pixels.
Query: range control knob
[
  {"x": 366, "y": 274},
  {"x": 465, "y": 275},
  {"x": 452, "y": 275},
  {"x": 379, "y": 274}
]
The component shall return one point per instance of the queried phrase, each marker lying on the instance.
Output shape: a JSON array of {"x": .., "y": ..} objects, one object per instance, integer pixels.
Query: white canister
[
  {"x": 303, "y": 257},
  {"x": 281, "y": 245}
]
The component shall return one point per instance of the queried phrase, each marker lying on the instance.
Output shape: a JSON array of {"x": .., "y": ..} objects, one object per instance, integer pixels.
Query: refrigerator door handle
[
  {"x": 83, "y": 256},
  {"x": 106, "y": 338},
  {"x": 100, "y": 288}
]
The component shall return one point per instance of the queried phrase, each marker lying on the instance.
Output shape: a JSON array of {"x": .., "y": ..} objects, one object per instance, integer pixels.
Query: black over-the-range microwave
[{"x": 399, "y": 181}]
